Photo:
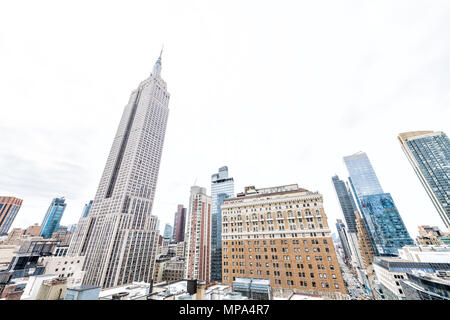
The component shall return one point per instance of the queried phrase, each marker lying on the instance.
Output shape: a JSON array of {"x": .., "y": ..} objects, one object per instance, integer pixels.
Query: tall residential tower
[
  {"x": 429, "y": 154},
  {"x": 120, "y": 237},
  {"x": 198, "y": 236}
]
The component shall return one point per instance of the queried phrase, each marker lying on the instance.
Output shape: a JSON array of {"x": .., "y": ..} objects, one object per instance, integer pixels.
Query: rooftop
[
  {"x": 130, "y": 291},
  {"x": 83, "y": 288}
]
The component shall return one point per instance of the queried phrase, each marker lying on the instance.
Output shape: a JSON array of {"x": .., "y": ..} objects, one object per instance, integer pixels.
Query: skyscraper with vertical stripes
[
  {"x": 9, "y": 206},
  {"x": 119, "y": 238},
  {"x": 198, "y": 236},
  {"x": 429, "y": 154}
]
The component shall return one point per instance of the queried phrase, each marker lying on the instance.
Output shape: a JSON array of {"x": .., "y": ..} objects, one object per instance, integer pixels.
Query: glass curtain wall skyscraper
[
  {"x": 167, "y": 231},
  {"x": 52, "y": 218},
  {"x": 120, "y": 238},
  {"x": 429, "y": 154},
  {"x": 363, "y": 177},
  {"x": 222, "y": 188},
  {"x": 383, "y": 222}
]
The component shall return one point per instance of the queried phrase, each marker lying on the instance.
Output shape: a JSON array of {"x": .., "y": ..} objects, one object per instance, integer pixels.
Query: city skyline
[{"x": 293, "y": 150}]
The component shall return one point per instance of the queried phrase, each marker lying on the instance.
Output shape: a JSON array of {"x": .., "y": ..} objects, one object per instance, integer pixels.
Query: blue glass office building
[
  {"x": 167, "y": 231},
  {"x": 222, "y": 188},
  {"x": 387, "y": 230},
  {"x": 363, "y": 177},
  {"x": 53, "y": 217},
  {"x": 380, "y": 215},
  {"x": 429, "y": 154}
]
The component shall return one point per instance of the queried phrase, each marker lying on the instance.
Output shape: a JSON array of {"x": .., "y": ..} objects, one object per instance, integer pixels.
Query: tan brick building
[
  {"x": 280, "y": 234},
  {"x": 364, "y": 243},
  {"x": 33, "y": 230}
]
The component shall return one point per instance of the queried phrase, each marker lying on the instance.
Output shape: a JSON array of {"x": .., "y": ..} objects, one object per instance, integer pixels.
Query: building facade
[
  {"x": 364, "y": 242},
  {"x": 167, "y": 231},
  {"x": 390, "y": 271},
  {"x": 86, "y": 209},
  {"x": 429, "y": 154},
  {"x": 9, "y": 207},
  {"x": 384, "y": 224},
  {"x": 362, "y": 176},
  {"x": 222, "y": 187},
  {"x": 53, "y": 217},
  {"x": 198, "y": 236},
  {"x": 119, "y": 238},
  {"x": 280, "y": 234},
  {"x": 79, "y": 233},
  {"x": 343, "y": 237},
  {"x": 382, "y": 220},
  {"x": 33, "y": 231},
  {"x": 69, "y": 268},
  {"x": 423, "y": 286},
  {"x": 430, "y": 236},
  {"x": 62, "y": 235},
  {"x": 179, "y": 224},
  {"x": 346, "y": 203}
]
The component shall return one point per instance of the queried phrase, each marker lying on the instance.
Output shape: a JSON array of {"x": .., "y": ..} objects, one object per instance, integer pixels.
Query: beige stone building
[
  {"x": 7, "y": 253},
  {"x": 280, "y": 234},
  {"x": 54, "y": 289},
  {"x": 167, "y": 270},
  {"x": 179, "y": 249},
  {"x": 14, "y": 236},
  {"x": 66, "y": 267}
]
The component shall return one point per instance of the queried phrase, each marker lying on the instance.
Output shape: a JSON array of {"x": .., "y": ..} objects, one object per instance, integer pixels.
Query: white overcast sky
[{"x": 279, "y": 91}]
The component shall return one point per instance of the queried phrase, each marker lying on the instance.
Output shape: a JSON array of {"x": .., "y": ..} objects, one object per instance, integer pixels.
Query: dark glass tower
[{"x": 179, "y": 224}]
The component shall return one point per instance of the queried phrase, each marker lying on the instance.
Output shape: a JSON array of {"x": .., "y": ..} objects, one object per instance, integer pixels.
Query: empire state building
[{"x": 118, "y": 238}]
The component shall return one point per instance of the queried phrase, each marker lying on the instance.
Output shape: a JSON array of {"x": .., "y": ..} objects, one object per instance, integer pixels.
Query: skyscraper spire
[
  {"x": 157, "y": 66},
  {"x": 119, "y": 236}
]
